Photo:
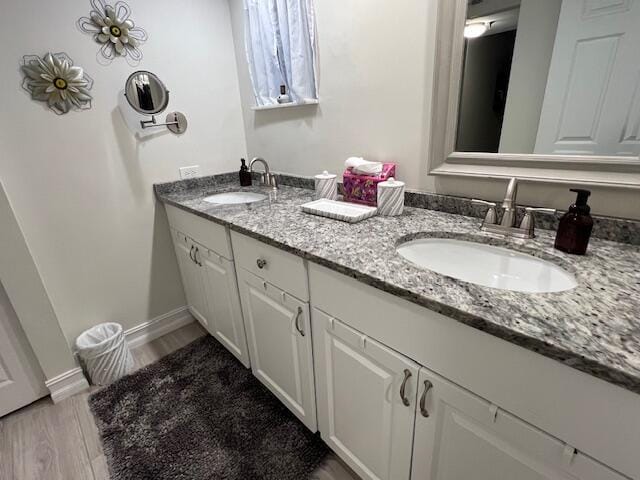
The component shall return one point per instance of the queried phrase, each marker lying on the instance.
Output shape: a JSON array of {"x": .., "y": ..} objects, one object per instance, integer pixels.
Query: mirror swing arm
[
  {"x": 147, "y": 95},
  {"x": 175, "y": 122},
  {"x": 443, "y": 158}
]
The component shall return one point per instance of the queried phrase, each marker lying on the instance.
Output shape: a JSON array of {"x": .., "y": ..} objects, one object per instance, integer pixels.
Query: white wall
[
  {"x": 81, "y": 185},
  {"x": 375, "y": 64},
  {"x": 537, "y": 25},
  {"x": 29, "y": 299},
  {"x": 376, "y": 79}
]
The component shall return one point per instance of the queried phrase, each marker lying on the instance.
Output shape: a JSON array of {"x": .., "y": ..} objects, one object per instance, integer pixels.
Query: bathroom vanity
[{"x": 406, "y": 373}]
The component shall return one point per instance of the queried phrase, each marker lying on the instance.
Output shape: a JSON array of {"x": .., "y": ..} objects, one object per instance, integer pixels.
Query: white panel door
[
  {"x": 191, "y": 274},
  {"x": 459, "y": 436},
  {"x": 366, "y": 400},
  {"x": 279, "y": 337},
  {"x": 225, "y": 314},
  {"x": 21, "y": 380},
  {"x": 592, "y": 99}
]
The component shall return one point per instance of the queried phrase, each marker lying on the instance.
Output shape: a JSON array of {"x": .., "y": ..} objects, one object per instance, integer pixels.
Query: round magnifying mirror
[{"x": 146, "y": 93}]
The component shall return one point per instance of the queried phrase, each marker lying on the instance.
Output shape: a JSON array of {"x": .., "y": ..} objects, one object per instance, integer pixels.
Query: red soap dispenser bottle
[{"x": 575, "y": 226}]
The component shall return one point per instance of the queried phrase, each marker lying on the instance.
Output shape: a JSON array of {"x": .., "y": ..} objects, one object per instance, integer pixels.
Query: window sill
[{"x": 258, "y": 108}]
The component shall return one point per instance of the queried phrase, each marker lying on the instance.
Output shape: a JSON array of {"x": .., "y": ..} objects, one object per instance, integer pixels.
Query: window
[{"x": 281, "y": 47}]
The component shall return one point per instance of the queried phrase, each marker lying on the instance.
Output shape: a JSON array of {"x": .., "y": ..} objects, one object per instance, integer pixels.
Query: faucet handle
[
  {"x": 491, "y": 217},
  {"x": 528, "y": 223},
  {"x": 273, "y": 181}
]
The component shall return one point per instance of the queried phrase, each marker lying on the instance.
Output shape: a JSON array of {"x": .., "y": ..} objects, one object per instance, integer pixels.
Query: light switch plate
[{"x": 190, "y": 172}]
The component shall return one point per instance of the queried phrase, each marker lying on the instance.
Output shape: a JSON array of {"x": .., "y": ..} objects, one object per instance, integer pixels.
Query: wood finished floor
[{"x": 44, "y": 441}]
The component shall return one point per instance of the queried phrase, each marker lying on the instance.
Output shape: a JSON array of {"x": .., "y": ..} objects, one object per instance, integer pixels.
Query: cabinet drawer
[
  {"x": 279, "y": 268},
  {"x": 205, "y": 232}
]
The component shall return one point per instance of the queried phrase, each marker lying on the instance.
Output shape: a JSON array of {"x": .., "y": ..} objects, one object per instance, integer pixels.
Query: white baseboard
[
  {"x": 73, "y": 381},
  {"x": 157, "y": 327},
  {"x": 67, "y": 384}
]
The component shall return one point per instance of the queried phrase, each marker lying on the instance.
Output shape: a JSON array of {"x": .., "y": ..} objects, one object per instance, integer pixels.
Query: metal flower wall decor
[
  {"x": 112, "y": 27},
  {"x": 55, "y": 80}
]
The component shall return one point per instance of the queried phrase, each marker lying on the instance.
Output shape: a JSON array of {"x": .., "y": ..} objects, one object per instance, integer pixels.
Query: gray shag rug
[{"x": 199, "y": 414}]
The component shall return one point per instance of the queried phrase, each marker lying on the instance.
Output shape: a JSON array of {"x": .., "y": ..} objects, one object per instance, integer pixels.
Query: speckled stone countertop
[{"x": 594, "y": 328}]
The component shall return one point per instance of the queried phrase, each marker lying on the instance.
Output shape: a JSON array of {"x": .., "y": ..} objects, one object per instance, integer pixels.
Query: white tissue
[{"x": 360, "y": 166}]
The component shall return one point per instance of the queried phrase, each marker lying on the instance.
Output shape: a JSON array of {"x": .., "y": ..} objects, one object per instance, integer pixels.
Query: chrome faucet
[
  {"x": 510, "y": 209},
  {"x": 509, "y": 204},
  {"x": 267, "y": 177}
]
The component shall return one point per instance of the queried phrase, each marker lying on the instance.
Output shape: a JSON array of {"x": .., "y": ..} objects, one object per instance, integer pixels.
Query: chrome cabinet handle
[
  {"x": 191, "y": 253},
  {"x": 195, "y": 256},
  {"x": 407, "y": 376},
  {"x": 423, "y": 400},
  {"x": 297, "y": 320},
  {"x": 261, "y": 263}
]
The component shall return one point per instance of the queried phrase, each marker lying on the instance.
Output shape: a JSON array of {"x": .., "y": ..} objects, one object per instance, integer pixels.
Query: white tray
[{"x": 343, "y": 211}]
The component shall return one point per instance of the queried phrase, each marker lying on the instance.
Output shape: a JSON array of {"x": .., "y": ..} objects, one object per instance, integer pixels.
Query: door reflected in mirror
[{"x": 556, "y": 77}]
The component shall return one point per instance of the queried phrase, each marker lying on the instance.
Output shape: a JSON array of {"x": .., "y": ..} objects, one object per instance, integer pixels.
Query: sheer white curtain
[{"x": 281, "y": 47}]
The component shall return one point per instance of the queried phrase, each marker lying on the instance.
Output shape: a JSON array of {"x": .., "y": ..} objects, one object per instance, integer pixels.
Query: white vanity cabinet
[
  {"x": 398, "y": 391},
  {"x": 366, "y": 400},
  {"x": 279, "y": 336},
  {"x": 209, "y": 279},
  {"x": 364, "y": 339},
  {"x": 369, "y": 397}
]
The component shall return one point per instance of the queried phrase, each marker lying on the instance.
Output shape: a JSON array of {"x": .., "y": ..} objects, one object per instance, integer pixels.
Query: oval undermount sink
[
  {"x": 487, "y": 265},
  {"x": 234, "y": 198}
]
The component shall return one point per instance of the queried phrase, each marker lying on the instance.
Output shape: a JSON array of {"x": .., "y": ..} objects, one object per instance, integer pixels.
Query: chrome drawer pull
[
  {"x": 191, "y": 253},
  {"x": 297, "y": 320},
  {"x": 261, "y": 263},
  {"x": 407, "y": 376},
  {"x": 423, "y": 400}
]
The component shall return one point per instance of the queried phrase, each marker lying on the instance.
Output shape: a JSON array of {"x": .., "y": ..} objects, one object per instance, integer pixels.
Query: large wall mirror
[{"x": 548, "y": 87}]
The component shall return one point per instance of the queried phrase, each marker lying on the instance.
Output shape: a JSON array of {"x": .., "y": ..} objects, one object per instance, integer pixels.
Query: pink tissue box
[{"x": 364, "y": 188}]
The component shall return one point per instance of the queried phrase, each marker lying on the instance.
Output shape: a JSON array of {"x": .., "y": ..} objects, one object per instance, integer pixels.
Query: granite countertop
[{"x": 594, "y": 328}]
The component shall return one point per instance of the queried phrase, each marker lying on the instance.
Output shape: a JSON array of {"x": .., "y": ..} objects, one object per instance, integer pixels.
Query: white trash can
[{"x": 105, "y": 353}]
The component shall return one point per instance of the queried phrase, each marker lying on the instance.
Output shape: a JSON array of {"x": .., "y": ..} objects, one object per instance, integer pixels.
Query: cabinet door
[
  {"x": 461, "y": 436},
  {"x": 191, "y": 277},
  {"x": 366, "y": 400},
  {"x": 279, "y": 337},
  {"x": 224, "y": 314}
]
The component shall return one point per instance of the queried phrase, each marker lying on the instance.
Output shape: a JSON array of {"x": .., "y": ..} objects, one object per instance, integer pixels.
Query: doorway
[{"x": 21, "y": 379}]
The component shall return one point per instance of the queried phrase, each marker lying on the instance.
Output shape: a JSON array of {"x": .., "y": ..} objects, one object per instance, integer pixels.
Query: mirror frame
[
  {"x": 604, "y": 171},
  {"x": 157, "y": 79}
]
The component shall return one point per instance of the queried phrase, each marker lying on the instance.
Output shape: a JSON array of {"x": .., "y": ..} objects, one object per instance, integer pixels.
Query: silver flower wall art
[
  {"x": 55, "y": 80},
  {"x": 112, "y": 26}
]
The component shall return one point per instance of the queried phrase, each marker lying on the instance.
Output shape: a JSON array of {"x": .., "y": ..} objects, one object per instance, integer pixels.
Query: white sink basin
[
  {"x": 487, "y": 265},
  {"x": 234, "y": 198}
]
